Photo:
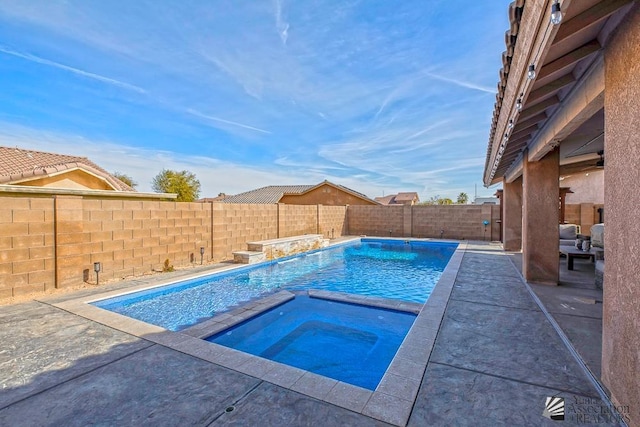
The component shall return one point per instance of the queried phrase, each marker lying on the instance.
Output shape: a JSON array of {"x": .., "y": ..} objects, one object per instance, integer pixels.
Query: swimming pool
[
  {"x": 347, "y": 342},
  {"x": 398, "y": 269}
]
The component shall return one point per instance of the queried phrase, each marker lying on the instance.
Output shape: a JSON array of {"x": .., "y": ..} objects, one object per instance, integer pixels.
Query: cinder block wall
[
  {"x": 295, "y": 220},
  {"x": 236, "y": 224},
  {"x": 332, "y": 221},
  {"x": 376, "y": 220},
  {"x": 26, "y": 245},
  {"x": 131, "y": 238},
  {"x": 448, "y": 221},
  {"x": 52, "y": 242},
  {"x": 456, "y": 221},
  {"x": 584, "y": 214}
]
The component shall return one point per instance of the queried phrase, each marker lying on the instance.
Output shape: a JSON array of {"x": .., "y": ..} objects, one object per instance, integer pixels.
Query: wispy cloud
[
  {"x": 461, "y": 83},
  {"x": 76, "y": 71},
  {"x": 281, "y": 26},
  {"x": 228, "y": 122},
  {"x": 284, "y": 92}
]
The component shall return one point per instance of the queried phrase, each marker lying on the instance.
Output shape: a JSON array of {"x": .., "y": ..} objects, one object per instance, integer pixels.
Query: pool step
[{"x": 248, "y": 257}]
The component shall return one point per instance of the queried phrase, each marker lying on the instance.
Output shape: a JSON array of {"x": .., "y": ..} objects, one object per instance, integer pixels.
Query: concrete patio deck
[{"x": 495, "y": 360}]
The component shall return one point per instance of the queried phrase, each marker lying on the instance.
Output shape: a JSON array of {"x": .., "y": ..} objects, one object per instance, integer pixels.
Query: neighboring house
[
  {"x": 41, "y": 169},
  {"x": 220, "y": 198},
  {"x": 486, "y": 201},
  {"x": 409, "y": 198},
  {"x": 325, "y": 193}
]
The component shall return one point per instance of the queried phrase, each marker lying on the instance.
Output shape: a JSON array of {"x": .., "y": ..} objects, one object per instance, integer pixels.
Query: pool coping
[{"x": 393, "y": 399}]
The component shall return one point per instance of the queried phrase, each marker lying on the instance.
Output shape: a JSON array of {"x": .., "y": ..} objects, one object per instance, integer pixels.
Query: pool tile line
[
  {"x": 240, "y": 314},
  {"x": 370, "y": 301}
]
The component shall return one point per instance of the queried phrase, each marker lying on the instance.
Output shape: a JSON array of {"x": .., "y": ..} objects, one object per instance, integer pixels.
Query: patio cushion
[
  {"x": 597, "y": 235},
  {"x": 569, "y": 231}
]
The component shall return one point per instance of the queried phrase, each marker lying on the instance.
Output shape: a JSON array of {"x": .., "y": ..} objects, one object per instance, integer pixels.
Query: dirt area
[
  {"x": 61, "y": 291},
  {"x": 39, "y": 294}
]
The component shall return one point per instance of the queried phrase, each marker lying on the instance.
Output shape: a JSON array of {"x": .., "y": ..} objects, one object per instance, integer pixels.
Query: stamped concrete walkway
[{"x": 495, "y": 360}]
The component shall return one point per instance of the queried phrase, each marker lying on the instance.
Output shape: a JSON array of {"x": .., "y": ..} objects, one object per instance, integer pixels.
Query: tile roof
[
  {"x": 385, "y": 200},
  {"x": 407, "y": 196},
  {"x": 17, "y": 164},
  {"x": 273, "y": 193},
  {"x": 397, "y": 199},
  {"x": 269, "y": 194}
]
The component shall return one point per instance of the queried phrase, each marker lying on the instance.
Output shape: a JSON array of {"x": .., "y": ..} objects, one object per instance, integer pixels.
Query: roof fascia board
[
  {"x": 531, "y": 39},
  {"x": 535, "y": 24},
  {"x": 65, "y": 171}
]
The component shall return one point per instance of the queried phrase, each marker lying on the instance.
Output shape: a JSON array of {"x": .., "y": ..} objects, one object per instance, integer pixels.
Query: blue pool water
[
  {"x": 376, "y": 267},
  {"x": 346, "y": 342}
]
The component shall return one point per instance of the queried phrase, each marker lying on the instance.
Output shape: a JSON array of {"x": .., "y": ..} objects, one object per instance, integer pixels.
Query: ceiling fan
[{"x": 600, "y": 163}]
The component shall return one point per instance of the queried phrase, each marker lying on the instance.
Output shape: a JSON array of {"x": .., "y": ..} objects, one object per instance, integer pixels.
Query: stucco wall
[
  {"x": 75, "y": 179},
  {"x": 586, "y": 188},
  {"x": 621, "y": 303},
  {"x": 325, "y": 195}
]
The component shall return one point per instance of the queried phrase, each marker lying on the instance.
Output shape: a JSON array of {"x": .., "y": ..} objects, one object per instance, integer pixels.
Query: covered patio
[{"x": 567, "y": 103}]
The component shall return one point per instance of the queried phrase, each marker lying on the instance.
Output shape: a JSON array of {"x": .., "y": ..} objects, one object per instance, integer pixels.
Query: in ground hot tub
[{"x": 348, "y": 342}]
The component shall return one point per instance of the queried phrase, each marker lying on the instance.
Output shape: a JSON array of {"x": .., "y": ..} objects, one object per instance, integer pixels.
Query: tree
[
  {"x": 437, "y": 200},
  {"x": 463, "y": 198},
  {"x": 126, "y": 179},
  {"x": 431, "y": 201},
  {"x": 184, "y": 184}
]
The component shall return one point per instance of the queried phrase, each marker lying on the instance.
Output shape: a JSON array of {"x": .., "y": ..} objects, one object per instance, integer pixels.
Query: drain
[{"x": 230, "y": 409}]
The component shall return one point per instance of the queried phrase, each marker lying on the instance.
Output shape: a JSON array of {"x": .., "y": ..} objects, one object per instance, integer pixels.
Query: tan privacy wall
[
  {"x": 446, "y": 221},
  {"x": 295, "y": 220},
  {"x": 584, "y": 214},
  {"x": 332, "y": 221},
  {"x": 621, "y": 302},
  {"x": 26, "y": 245},
  {"x": 53, "y": 241},
  {"x": 236, "y": 224}
]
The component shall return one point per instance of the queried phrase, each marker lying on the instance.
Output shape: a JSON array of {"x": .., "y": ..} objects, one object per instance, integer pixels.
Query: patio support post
[
  {"x": 540, "y": 235},
  {"x": 512, "y": 215},
  {"x": 621, "y": 310}
]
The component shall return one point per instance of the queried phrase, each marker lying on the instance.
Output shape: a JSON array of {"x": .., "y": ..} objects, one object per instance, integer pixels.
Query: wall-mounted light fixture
[
  {"x": 97, "y": 267},
  {"x": 201, "y": 255},
  {"x": 556, "y": 13},
  {"x": 531, "y": 74}
]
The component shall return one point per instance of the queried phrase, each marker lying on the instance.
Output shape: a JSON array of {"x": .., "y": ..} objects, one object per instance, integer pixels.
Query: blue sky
[{"x": 380, "y": 96}]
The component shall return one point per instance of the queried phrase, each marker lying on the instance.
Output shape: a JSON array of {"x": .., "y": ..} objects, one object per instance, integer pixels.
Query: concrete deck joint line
[
  {"x": 565, "y": 340},
  {"x": 43, "y": 390}
]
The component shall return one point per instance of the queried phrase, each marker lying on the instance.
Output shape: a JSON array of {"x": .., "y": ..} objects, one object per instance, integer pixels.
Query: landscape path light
[{"x": 97, "y": 267}]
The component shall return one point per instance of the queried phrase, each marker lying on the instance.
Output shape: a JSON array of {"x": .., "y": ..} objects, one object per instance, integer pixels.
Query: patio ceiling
[{"x": 563, "y": 105}]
